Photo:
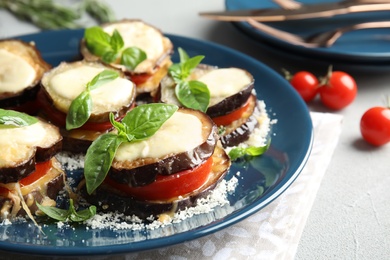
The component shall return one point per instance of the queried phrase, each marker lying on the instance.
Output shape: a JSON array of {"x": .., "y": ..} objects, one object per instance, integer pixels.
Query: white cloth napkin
[{"x": 273, "y": 232}]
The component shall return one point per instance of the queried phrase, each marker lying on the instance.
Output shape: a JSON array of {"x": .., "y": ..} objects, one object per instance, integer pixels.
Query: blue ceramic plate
[
  {"x": 364, "y": 47},
  {"x": 261, "y": 180}
]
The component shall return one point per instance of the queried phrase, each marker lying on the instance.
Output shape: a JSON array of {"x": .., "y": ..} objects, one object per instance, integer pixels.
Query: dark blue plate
[
  {"x": 261, "y": 180},
  {"x": 366, "y": 47}
]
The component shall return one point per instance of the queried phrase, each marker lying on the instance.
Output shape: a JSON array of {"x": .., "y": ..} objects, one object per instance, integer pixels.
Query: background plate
[
  {"x": 261, "y": 180},
  {"x": 369, "y": 47}
]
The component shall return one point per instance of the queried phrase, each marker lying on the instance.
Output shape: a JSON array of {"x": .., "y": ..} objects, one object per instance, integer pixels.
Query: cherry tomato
[
  {"x": 168, "y": 186},
  {"x": 375, "y": 126},
  {"x": 306, "y": 84},
  {"x": 338, "y": 90}
]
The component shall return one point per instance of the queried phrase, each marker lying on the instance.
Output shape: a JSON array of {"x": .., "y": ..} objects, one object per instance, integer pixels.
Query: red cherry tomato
[
  {"x": 338, "y": 90},
  {"x": 375, "y": 126},
  {"x": 306, "y": 84}
]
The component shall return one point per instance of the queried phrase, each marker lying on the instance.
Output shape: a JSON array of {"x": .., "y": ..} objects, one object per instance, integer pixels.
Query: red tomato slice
[
  {"x": 3, "y": 191},
  {"x": 59, "y": 118},
  {"x": 40, "y": 170},
  {"x": 138, "y": 79},
  {"x": 168, "y": 186},
  {"x": 233, "y": 116}
]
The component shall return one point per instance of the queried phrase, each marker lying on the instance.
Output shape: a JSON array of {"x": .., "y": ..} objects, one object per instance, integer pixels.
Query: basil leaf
[
  {"x": 193, "y": 94},
  {"x": 98, "y": 159},
  {"x": 116, "y": 41},
  {"x": 78, "y": 216},
  {"x": 79, "y": 111},
  {"x": 97, "y": 40},
  {"x": 189, "y": 65},
  {"x": 53, "y": 212},
  {"x": 102, "y": 78},
  {"x": 144, "y": 120},
  {"x": 183, "y": 55},
  {"x": 132, "y": 56},
  {"x": 11, "y": 119},
  {"x": 238, "y": 152},
  {"x": 109, "y": 56},
  {"x": 175, "y": 71}
]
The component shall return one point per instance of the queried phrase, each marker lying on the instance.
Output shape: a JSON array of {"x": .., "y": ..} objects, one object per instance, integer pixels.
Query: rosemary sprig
[{"x": 46, "y": 14}]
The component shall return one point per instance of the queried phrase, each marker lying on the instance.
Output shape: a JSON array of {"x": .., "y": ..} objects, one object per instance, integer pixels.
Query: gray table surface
[{"x": 350, "y": 218}]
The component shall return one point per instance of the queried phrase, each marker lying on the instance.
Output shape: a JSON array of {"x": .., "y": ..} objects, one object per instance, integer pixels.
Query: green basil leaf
[
  {"x": 79, "y": 111},
  {"x": 239, "y": 152},
  {"x": 132, "y": 56},
  {"x": 11, "y": 119},
  {"x": 97, "y": 40},
  {"x": 102, "y": 78},
  {"x": 116, "y": 41},
  {"x": 189, "y": 65},
  {"x": 183, "y": 55},
  {"x": 121, "y": 128},
  {"x": 78, "y": 216},
  {"x": 144, "y": 120},
  {"x": 193, "y": 94},
  {"x": 109, "y": 56},
  {"x": 53, "y": 212},
  {"x": 175, "y": 71},
  {"x": 98, "y": 159}
]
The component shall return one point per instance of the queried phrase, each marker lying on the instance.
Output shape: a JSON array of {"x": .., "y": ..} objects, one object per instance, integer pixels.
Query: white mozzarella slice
[
  {"x": 225, "y": 82},
  {"x": 143, "y": 36},
  {"x": 181, "y": 132},
  {"x": 15, "y": 73},
  {"x": 68, "y": 82}
]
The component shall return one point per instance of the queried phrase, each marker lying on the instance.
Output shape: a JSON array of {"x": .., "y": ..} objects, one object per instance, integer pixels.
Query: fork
[{"x": 323, "y": 39}]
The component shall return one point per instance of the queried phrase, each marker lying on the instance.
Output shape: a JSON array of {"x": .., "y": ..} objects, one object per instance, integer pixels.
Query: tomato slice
[
  {"x": 40, "y": 170},
  {"x": 231, "y": 117},
  {"x": 141, "y": 78},
  {"x": 59, "y": 118},
  {"x": 168, "y": 186},
  {"x": 4, "y": 191}
]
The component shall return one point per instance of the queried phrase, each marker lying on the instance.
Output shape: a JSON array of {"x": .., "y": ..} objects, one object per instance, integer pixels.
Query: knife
[{"x": 304, "y": 12}]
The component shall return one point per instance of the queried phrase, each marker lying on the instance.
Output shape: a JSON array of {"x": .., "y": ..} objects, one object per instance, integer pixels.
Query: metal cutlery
[{"x": 324, "y": 39}]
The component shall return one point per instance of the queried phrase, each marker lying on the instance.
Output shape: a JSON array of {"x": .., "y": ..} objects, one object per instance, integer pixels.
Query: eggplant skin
[
  {"x": 240, "y": 130},
  {"x": 107, "y": 199},
  {"x": 149, "y": 168},
  {"x": 14, "y": 174}
]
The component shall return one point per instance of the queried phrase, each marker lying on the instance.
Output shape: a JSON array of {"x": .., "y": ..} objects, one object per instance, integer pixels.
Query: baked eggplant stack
[
  {"x": 79, "y": 96},
  {"x": 140, "y": 50},
  {"x": 232, "y": 105},
  {"x": 21, "y": 70},
  {"x": 29, "y": 172},
  {"x": 177, "y": 163}
]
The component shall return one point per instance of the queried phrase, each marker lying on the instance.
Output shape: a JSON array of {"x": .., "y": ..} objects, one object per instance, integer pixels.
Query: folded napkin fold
[{"x": 273, "y": 232}]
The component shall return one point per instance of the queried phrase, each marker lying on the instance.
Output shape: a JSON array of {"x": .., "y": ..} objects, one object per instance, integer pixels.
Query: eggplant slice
[
  {"x": 143, "y": 171},
  {"x": 229, "y": 88},
  {"x": 18, "y": 57},
  {"x": 157, "y": 47},
  {"x": 108, "y": 199},
  {"x": 21, "y": 148}
]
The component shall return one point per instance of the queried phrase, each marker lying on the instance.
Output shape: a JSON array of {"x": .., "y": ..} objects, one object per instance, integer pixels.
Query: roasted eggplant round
[
  {"x": 109, "y": 199},
  {"x": 186, "y": 140},
  {"x": 21, "y": 69},
  {"x": 136, "y": 33}
]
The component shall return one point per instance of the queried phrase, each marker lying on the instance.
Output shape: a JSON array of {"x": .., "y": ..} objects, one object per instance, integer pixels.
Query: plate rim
[{"x": 201, "y": 231}]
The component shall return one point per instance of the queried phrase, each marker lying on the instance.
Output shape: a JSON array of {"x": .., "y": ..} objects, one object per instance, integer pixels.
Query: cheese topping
[
  {"x": 226, "y": 82},
  {"x": 18, "y": 144},
  {"x": 180, "y": 133},
  {"x": 15, "y": 73},
  {"x": 143, "y": 36},
  {"x": 66, "y": 85}
]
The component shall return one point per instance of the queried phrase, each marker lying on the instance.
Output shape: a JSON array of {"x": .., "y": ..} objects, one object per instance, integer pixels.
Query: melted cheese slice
[
  {"x": 143, "y": 36},
  {"x": 66, "y": 85},
  {"x": 181, "y": 132},
  {"x": 223, "y": 83},
  {"x": 15, "y": 73},
  {"x": 18, "y": 144}
]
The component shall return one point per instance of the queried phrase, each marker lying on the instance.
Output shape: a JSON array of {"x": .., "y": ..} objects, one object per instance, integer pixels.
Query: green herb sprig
[
  {"x": 81, "y": 107},
  {"x": 13, "y": 119},
  {"x": 69, "y": 214},
  {"x": 190, "y": 93},
  {"x": 140, "y": 123},
  {"x": 251, "y": 151},
  {"x": 46, "y": 14},
  {"x": 110, "y": 48}
]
